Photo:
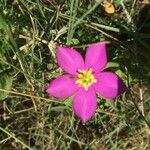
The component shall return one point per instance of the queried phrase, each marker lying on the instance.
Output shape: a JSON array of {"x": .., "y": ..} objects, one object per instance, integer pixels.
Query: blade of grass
[
  {"x": 79, "y": 21},
  {"x": 73, "y": 12},
  {"x": 12, "y": 135}
]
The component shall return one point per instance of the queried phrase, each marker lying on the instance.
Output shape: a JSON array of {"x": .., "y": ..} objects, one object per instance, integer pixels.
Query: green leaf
[
  {"x": 58, "y": 108},
  {"x": 121, "y": 74},
  {"x": 75, "y": 41},
  {"x": 112, "y": 65},
  {"x": 6, "y": 84}
]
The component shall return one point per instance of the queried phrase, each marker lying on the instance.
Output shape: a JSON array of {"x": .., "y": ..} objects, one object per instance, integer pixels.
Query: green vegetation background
[{"x": 29, "y": 33}]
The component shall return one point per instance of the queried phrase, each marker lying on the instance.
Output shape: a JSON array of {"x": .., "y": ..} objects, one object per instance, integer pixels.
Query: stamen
[
  {"x": 80, "y": 75},
  {"x": 85, "y": 78}
]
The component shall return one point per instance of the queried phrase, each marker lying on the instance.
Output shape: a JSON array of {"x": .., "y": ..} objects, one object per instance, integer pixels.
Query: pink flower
[{"x": 84, "y": 79}]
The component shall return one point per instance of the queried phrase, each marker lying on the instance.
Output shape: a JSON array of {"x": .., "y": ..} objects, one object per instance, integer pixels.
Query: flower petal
[
  {"x": 69, "y": 60},
  {"x": 96, "y": 57},
  {"x": 109, "y": 85},
  {"x": 62, "y": 87},
  {"x": 85, "y": 103}
]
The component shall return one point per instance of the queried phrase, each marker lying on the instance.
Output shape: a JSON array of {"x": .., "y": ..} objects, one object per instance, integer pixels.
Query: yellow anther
[
  {"x": 85, "y": 78},
  {"x": 89, "y": 72},
  {"x": 79, "y": 81},
  {"x": 93, "y": 80},
  {"x": 83, "y": 71},
  {"x": 79, "y": 70},
  {"x": 84, "y": 84},
  {"x": 80, "y": 75}
]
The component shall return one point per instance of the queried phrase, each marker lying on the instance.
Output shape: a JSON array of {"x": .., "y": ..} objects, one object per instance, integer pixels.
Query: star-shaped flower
[{"x": 83, "y": 79}]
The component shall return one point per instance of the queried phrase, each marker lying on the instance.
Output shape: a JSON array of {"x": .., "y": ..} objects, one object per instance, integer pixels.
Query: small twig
[
  {"x": 31, "y": 96},
  {"x": 145, "y": 2},
  {"x": 86, "y": 45},
  {"x": 135, "y": 104},
  {"x": 133, "y": 7},
  {"x": 7, "y": 116},
  {"x": 4, "y": 107},
  {"x": 4, "y": 140},
  {"x": 37, "y": 38},
  {"x": 15, "y": 138},
  {"x": 68, "y": 137},
  {"x": 109, "y": 36},
  {"x": 50, "y": 44},
  {"x": 141, "y": 99},
  {"x": 129, "y": 20},
  {"x": 107, "y": 113}
]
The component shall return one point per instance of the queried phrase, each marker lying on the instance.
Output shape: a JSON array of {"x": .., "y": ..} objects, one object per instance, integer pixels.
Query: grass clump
[{"x": 29, "y": 33}]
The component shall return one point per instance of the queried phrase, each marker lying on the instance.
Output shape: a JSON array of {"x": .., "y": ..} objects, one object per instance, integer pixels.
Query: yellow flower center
[{"x": 85, "y": 78}]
